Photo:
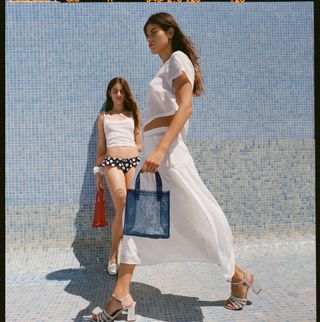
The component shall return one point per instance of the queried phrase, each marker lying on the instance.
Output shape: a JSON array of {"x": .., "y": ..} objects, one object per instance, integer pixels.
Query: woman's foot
[
  {"x": 114, "y": 306},
  {"x": 240, "y": 284}
]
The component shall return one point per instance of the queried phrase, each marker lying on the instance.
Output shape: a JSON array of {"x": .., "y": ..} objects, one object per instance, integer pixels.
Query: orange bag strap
[{"x": 100, "y": 195}]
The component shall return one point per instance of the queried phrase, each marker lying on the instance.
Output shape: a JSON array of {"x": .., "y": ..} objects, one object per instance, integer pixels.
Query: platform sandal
[
  {"x": 239, "y": 303},
  {"x": 104, "y": 316}
]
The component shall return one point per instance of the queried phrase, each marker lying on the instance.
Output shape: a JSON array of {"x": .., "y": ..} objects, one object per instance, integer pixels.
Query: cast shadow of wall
[
  {"x": 91, "y": 243},
  {"x": 95, "y": 286}
]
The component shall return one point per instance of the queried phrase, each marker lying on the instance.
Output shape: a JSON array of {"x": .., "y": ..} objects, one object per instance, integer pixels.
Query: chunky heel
[{"x": 132, "y": 313}]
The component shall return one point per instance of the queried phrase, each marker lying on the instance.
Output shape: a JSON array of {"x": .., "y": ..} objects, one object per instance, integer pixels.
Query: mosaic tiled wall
[{"x": 251, "y": 132}]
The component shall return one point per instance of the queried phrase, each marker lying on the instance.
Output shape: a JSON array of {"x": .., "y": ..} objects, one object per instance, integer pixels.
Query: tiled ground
[{"x": 49, "y": 285}]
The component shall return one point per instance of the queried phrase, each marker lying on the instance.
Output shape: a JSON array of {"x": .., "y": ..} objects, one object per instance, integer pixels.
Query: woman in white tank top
[
  {"x": 199, "y": 230},
  {"x": 119, "y": 144}
]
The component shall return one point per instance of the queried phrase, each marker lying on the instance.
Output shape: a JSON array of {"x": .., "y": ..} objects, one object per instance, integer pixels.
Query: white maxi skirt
[{"x": 199, "y": 230}]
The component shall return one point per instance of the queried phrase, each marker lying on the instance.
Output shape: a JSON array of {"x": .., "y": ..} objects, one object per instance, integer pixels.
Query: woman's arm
[
  {"x": 101, "y": 150},
  {"x": 101, "y": 146},
  {"x": 138, "y": 138},
  {"x": 183, "y": 89}
]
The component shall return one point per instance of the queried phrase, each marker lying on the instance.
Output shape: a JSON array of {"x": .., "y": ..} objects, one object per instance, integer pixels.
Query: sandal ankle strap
[
  {"x": 121, "y": 299},
  {"x": 244, "y": 281}
]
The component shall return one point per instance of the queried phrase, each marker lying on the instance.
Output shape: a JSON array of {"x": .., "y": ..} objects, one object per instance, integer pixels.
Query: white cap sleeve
[{"x": 179, "y": 62}]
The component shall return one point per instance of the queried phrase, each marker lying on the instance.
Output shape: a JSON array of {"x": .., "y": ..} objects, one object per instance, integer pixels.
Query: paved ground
[{"x": 50, "y": 286}]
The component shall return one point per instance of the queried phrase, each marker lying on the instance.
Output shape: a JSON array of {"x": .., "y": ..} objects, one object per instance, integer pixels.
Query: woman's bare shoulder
[{"x": 101, "y": 116}]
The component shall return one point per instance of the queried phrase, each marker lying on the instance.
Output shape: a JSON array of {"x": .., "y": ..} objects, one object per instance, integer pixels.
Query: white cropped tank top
[
  {"x": 161, "y": 99},
  {"x": 119, "y": 132}
]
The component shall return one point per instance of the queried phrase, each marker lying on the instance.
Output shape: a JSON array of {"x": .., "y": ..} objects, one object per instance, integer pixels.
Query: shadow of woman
[
  {"x": 91, "y": 243},
  {"x": 95, "y": 286}
]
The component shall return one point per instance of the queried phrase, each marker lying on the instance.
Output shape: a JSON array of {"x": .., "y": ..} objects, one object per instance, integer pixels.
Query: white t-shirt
[{"x": 161, "y": 99}]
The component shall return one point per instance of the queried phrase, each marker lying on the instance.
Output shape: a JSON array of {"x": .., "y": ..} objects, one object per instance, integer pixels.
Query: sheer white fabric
[
  {"x": 161, "y": 93},
  {"x": 199, "y": 230}
]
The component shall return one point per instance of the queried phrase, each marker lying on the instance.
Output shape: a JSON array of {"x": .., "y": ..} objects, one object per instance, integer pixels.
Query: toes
[
  {"x": 94, "y": 317},
  {"x": 227, "y": 304}
]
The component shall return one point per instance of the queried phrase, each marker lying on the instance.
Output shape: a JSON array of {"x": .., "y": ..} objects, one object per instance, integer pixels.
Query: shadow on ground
[
  {"x": 95, "y": 286},
  {"x": 90, "y": 243}
]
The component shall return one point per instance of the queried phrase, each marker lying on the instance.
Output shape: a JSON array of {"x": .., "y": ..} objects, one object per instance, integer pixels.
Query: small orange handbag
[{"x": 99, "y": 219}]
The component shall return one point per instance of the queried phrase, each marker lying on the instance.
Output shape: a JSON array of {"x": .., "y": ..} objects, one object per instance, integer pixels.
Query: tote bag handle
[{"x": 158, "y": 185}]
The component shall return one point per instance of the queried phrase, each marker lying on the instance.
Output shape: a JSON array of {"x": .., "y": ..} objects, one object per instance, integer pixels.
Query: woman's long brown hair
[
  {"x": 179, "y": 42},
  {"x": 130, "y": 103}
]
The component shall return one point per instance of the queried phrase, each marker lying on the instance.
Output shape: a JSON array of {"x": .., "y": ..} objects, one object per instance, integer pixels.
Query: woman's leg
[
  {"x": 122, "y": 287},
  {"x": 125, "y": 272},
  {"x": 121, "y": 290},
  {"x": 116, "y": 182},
  {"x": 129, "y": 177},
  {"x": 239, "y": 290}
]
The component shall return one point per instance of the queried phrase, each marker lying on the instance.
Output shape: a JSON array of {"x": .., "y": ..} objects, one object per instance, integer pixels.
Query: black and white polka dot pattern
[{"x": 123, "y": 164}]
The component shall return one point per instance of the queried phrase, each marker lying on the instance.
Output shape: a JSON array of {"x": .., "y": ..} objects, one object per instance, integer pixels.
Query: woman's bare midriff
[
  {"x": 123, "y": 152},
  {"x": 159, "y": 122}
]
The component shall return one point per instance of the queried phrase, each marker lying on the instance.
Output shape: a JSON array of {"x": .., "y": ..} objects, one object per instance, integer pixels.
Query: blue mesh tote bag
[{"x": 147, "y": 213}]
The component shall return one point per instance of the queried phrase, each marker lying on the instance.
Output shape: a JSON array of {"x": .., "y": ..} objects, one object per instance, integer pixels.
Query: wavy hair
[
  {"x": 130, "y": 103},
  {"x": 179, "y": 42}
]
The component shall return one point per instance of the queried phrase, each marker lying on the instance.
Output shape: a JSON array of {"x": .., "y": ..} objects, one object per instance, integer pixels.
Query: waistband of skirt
[{"x": 158, "y": 131}]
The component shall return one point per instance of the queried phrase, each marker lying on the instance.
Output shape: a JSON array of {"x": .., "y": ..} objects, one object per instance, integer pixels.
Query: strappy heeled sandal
[
  {"x": 239, "y": 303},
  {"x": 104, "y": 316}
]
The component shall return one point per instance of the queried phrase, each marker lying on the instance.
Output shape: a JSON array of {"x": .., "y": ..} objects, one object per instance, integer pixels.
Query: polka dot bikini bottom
[{"x": 123, "y": 164}]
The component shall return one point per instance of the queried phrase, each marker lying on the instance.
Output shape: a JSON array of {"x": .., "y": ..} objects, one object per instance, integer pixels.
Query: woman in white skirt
[{"x": 199, "y": 230}]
